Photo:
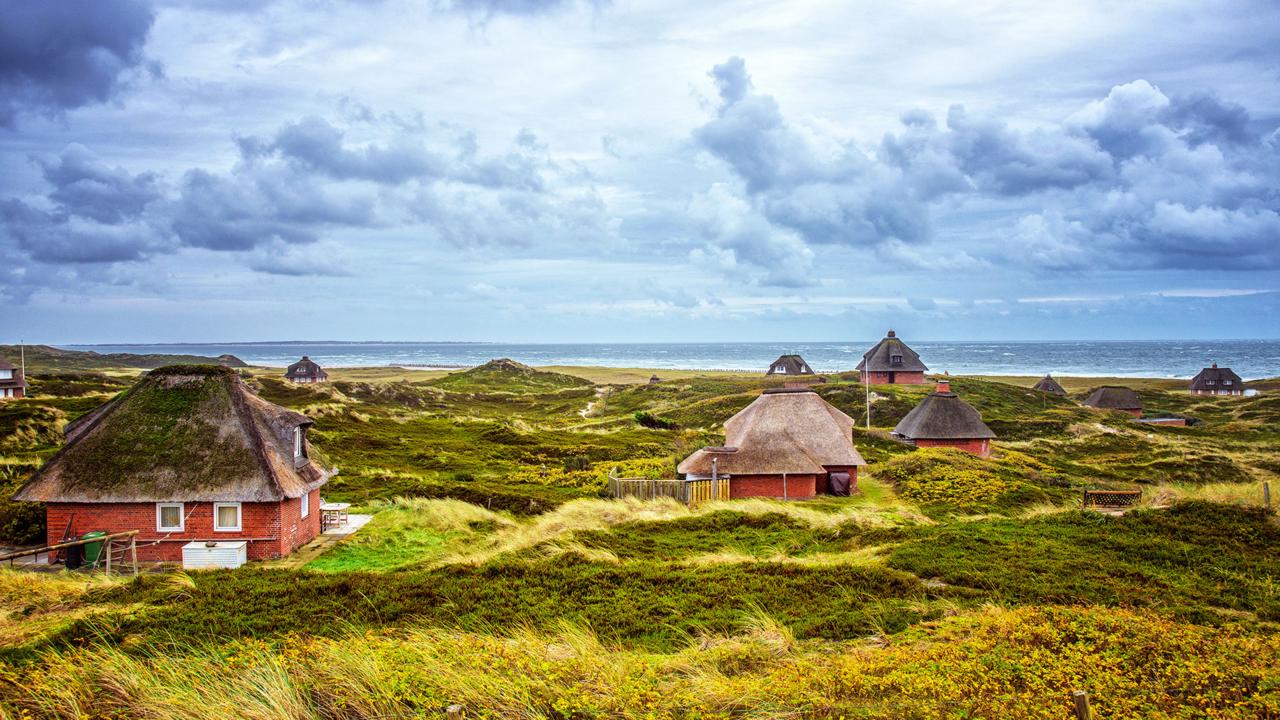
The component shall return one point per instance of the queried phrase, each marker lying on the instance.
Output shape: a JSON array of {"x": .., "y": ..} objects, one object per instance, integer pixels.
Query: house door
[{"x": 892, "y": 376}]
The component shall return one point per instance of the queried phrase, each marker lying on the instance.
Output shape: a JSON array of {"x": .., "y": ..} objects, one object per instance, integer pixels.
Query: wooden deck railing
[{"x": 689, "y": 492}]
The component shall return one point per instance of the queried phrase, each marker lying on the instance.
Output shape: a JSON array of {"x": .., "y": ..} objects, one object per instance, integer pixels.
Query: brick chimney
[
  {"x": 893, "y": 334},
  {"x": 944, "y": 386},
  {"x": 1215, "y": 365}
]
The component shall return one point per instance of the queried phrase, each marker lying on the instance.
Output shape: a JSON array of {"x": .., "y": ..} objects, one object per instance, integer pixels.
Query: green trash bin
[{"x": 93, "y": 549}]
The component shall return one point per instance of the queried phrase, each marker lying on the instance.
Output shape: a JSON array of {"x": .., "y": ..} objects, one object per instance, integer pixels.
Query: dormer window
[
  {"x": 1226, "y": 382},
  {"x": 299, "y": 444},
  {"x": 1210, "y": 382},
  {"x": 895, "y": 359}
]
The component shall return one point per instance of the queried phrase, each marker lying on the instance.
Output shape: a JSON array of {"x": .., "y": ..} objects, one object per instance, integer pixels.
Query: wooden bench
[{"x": 1111, "y": 499}]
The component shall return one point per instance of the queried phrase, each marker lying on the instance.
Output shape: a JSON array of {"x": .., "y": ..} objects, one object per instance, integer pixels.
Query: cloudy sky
[{"x": 530, "y": 170}]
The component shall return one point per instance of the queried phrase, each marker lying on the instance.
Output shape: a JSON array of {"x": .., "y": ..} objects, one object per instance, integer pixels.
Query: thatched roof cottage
[
  {"x": 187, "y": 454},
  {"x": 891, "y": 362},
  {"x": 789, "y": 365},
  {"x": 942, "y": 419},
  {"x": 1114, "y": 397},
  {"x": 12, "y": 384},
  {"x": 788, "y": 443},
  {"x": 1214, "y": 380},
  {"x": 1048, "y": 385},
  {"x": 305, "y": 370}
]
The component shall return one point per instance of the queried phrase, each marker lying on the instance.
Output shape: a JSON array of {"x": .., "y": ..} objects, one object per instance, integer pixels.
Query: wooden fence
[{"x": 689, "y": 492}]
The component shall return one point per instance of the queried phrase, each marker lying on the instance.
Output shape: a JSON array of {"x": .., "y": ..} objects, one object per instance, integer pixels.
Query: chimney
[
  {"x": 1214, "y": 366},
  {"x": 304, "y": 357},
  {"x": 944, "y": 386},
  {"x": 892, "y": 334}
]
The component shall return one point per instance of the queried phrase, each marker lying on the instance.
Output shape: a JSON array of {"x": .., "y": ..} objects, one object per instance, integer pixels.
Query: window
[
  {"x": 6, "y": 374},
  {"x": 1226, "y": 382},
  {"x": 226, "y": 517},
  {"x": 299, "y": 444},
  {"x": 169, "y": 517},
  {"x": 306, "y": 504},
  {"x": 895, "y": 359},
  {"x": 1210, "y": 382}
]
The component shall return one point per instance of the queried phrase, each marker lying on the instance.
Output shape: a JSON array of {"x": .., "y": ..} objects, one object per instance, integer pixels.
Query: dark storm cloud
[
  {"x": 57, "y": 239},
  {"x": 1135, "y": 180},
  {"x": 823, "y": 190},
  {"x": 60, "y": 55},
  {"x": 83, "y": 185},
  {"x": 315, "y": 144}
]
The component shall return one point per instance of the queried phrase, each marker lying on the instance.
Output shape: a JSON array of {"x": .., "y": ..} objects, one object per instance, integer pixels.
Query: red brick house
[
  {"x": 1114, "y": 397},
  {"x": 789, "y": 443},
  {"x": 942, "y": 419},
  {"x": 1214, "y": 380},
  {"x": 891, "y": 362},
  {"x": 305, "y": 370},
  {"x": 188, "y": 454},
  {"x": 12, "y": 383}
]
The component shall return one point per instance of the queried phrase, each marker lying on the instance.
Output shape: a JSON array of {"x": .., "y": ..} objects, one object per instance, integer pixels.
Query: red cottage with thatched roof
[
  {"x": 789, "y": 443},
  {"x": 1214, "y": 380},
  {"x": 1114, "y": 397},
  {"x": 942, "y": 419},
  {"x": 188, "y": 454},
  {"x": 12, "y": 384},
  {"x": 891, "y": 362},
  {"x": 305, "y": 370}
]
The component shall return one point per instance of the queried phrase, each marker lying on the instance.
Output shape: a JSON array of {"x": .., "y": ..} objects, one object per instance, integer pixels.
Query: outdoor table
[{"x": 334, "y": 514}]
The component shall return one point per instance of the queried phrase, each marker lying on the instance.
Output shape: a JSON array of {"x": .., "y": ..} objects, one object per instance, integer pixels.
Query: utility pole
[{"x": 866, "y": 385}]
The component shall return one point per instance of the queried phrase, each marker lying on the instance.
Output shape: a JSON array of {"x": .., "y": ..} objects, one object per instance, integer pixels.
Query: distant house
[
  {"x": 1114, "y": 397},
  {"x": 790, "y": 365},
  {"x": 789, "y": 443},
  {"x": 305, "y": 370},
  {"x": 1214, "y": 380},
  {"x": 12, "y": 383},
  {"x": 1049, "y": 385},
  {"x": 942, "y": 419},
  {"x": 891, "y": 362},
  {"x": 188, "y": 454},
  {"x": 654, "y": 380}
]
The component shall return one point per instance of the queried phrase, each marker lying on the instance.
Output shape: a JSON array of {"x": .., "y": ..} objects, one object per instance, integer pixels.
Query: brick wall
[
  {"x": 981, "y": 448},
  {"x": 295, "y": 530},
  {"x": 259, "y": 523},
  {"x": 820, "y": 482},
  {"x": 770, "y": 486},
  {"x": 899, "y": 378}
]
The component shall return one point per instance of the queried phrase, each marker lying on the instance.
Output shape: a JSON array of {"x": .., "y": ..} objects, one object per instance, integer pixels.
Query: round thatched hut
[
  {"x": 788, "y": 443},
  {"x": 1049, "y": 385},
  {"x": 942, "y": 419},
  {"x": 1115, "y": 397}
]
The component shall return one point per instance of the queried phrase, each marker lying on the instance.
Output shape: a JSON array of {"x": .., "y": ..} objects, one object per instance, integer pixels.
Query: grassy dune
[{"x": 495, "y": 575}]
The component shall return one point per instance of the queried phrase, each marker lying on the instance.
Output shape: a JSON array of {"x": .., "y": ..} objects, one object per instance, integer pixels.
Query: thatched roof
[
  {"x": 1049, "y": 385},
  {"x": 782, "y": 431},
  {"x": 182, "y": 433},
  {"x": 942, "y": 415},
  {"x": 305, "y": 368},
  {"x": 891, "y": 355},
  {"x": 1114, "y": 397},
  {"x": 1214, "y": 378},
  {"x": 790, "y": 365}
]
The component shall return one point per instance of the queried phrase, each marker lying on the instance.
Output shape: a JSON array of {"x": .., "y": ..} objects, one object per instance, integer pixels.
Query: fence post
[
  {"x": 1266, "y": 494},
  {"x": 1081, "y": 700}
]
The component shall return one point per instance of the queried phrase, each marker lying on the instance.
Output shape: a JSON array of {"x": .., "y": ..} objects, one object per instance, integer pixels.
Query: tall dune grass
[{"x": 992, "y": 662}]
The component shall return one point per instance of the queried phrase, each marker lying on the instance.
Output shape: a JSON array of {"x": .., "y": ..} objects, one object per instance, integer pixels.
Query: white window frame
[
  {"x": 6, "y": 374},
  {"x": 299, "y": 444},
  {"x": 306, "y": 504},
  {"x": 182, "y": 517},
  {"x": 239, "y": 517}
]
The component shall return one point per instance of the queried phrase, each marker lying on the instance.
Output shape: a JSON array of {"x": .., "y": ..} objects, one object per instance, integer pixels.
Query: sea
[{"x": 1251, "y": 359}]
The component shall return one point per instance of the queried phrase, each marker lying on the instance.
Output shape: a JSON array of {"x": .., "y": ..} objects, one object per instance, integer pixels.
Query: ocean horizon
[{"x": 1252, "y": 359}]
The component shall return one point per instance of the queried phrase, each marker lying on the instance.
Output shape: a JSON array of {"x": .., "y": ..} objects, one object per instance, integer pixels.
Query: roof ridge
[{"x": 245, "y": 414}]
